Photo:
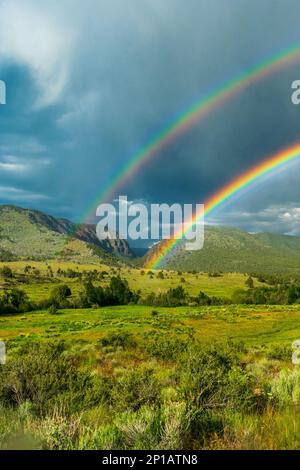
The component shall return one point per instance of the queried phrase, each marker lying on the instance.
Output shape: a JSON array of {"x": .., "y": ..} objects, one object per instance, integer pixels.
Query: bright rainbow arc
[
  {"x": 186, "y": 120},
  {"x": 243, "y": 181},
  {"x": 193, "y": 115}
]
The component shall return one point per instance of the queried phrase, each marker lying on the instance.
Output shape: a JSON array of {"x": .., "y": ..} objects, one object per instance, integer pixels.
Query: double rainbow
[
  {"x": 199, "y": 110},
  {"x": 195, "y": 113},
  {"x": 242, "y": 182}
]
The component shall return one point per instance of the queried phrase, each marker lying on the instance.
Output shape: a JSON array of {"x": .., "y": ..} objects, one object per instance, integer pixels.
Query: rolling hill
[
  {"x": 31, "y": 234},
  {"x": 27, "y": 234},
  {"x": 229, "y": 249}
]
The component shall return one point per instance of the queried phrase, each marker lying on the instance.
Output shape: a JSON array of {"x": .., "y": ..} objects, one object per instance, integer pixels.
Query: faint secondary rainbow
[
  {"x": 267, "y": 166},
  {"x": 191, "y": 116}
]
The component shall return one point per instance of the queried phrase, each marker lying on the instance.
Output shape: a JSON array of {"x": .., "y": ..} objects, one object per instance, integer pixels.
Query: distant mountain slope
[
  {"x": 229, "y": 249},
  {"x": 30, "y": 234}
]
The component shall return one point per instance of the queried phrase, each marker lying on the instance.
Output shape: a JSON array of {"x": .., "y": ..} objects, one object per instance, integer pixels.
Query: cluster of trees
[
  {"x": 34, "y": 271},
  {"x": 116, "y": 293},
  {"x": 6, "y": 272},
  {"x": 93, "y": 275},
  {"x": 178, "y": 296},
  {"x": 281, "y": 294},
  {"x": 14, "y": 301},
  {"x": 204, "y": 299},
  {"x": 277, "y": 279},
  {"x": 277, "y": 290},
  {"x": 59, "y": 296},
  {"x": 173, "y": 297}
]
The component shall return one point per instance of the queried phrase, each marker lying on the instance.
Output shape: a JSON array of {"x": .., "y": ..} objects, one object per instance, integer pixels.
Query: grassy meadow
[
  {"x": 142, "y": 377},
  {"x": 138, "y": 279}
]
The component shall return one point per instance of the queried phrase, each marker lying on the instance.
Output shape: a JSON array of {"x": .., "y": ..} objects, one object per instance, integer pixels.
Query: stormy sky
[{"x": 89, "y": 83}]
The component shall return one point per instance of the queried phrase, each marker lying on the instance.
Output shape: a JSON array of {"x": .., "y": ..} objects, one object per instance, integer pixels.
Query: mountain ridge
[
  {"x": 33, "y": 234},
  {"x": 230, "y": 249}
]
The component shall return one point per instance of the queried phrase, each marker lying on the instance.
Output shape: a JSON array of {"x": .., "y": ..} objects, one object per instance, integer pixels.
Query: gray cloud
[{"x": 91, "y": 85}]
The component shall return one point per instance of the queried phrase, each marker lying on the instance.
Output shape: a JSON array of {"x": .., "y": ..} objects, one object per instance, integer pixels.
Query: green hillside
[
  {"x": 27, "y": 234},
  {"x": 33, "y": 235},
  {"x": 230, "y": 249}
]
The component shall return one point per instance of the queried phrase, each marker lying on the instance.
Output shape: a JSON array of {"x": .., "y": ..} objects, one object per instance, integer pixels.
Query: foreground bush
[
  {"x": 187, "y": 396},
  {"x": 42, "y": 376}
]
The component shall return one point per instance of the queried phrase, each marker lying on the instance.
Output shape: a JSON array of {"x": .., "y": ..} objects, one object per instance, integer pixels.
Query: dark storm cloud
[{"x": 93, "y": 84}]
